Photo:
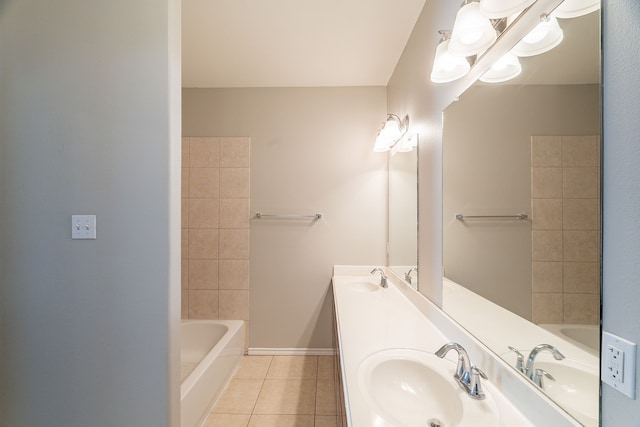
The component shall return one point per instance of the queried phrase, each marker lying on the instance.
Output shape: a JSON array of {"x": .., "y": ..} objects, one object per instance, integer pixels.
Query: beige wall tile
[
  {"x": 546, "y": 308},
  {"x": 204, "y": 182},
  {"x": 203, "y": 304},
  {"x": 235, "y": 152},
  {"x": 546, "y": 183},
  {"x": 253, "y": 367},
  {"x": 239, "y": 397},
  {"x": 203, "y": 274},
  {"x": 581, "y": 214},
  {"x": 581, "y": 246},
  {"x": 234, "y": 274},
  {"x": 581, "y": 150},
  {"x": 581, "y": 183},
  {"x": 184, "y": 304},
  {"x": 326, "y": 367},
  {"x": 227, "y": 420},
  {"x": 325, "y": 398},
  {"x": 547, "y": 214},
  {"x": 546, "y": 245},
  {"x": 235, "y": 182},
  {"x": 546, "y": 151},
  {"x": 203, "y": 243},
  {"x": 293, "y": 367},
  {"x": 326, "y": 421},
  {"x": 184, "y": 213},
  {"x": 234, "y": 244},
  {"x": 204, "y": 152},
  {"x": 582, "y": 309},
  {"x": 546, "y": 277},
  {"x": 185, "y": 152},
  {"x": 286, "y": 397},
  {"x": 184, "y": 273},
  {"x": 234, "y": 213},
  {"x": 581, "y": 277},
  {"x": 234, "y": 304},
  {"x": 204, "y": 213},
  {"x": 184, "y": 183},
  {"x": 258, "y": 420},
  {"x": 184, "y": 247}
]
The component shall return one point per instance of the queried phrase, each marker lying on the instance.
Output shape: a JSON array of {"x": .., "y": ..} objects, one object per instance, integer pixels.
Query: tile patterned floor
[{"x": 278, "y": 391}]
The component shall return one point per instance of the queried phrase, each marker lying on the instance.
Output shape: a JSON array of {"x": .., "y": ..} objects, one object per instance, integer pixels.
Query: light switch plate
[
  {"x": 619, "y": 363},
  {"x": 83, "y": 227}
]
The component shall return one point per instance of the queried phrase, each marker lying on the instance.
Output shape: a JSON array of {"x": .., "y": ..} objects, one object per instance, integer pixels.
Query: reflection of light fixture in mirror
[
  {"x": 392, "y": 130},
  {"x": 446, "y": 67},
  {"x": 575, "y": 8},
  {"x": 472, "y": 32},
  {"x": 506, "y": 68},
  {"x": 544, "y": 37},
  {"x": 495, "y": 9}
]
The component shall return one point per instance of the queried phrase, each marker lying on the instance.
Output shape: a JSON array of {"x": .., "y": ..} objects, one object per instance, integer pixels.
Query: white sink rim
[{"x": 473, "y": 412}]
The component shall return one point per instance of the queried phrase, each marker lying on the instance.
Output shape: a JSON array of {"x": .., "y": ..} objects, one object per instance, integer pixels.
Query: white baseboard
[{"x": 291, "y": 351}]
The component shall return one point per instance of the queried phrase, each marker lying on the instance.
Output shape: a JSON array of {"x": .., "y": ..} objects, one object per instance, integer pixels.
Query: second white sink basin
[{"x": 411, "y": 388}]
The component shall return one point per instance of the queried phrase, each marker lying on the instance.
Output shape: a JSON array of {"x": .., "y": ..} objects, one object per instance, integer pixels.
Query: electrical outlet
[
  {"x": 83, "y": 227},
  {"x": 619, "y": 363}
]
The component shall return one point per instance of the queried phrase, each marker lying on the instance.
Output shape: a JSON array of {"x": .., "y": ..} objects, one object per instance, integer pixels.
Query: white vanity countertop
[{"x": 369, "y": 322}]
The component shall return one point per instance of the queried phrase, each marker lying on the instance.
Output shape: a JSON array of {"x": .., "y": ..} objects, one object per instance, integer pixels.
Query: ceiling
[{"x": 293, "y": 43}]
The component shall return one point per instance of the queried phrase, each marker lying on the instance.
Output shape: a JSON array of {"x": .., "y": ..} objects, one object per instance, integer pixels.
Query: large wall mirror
[
  {"x": 521, "y": 215},
  {"x": 403, "y": 214}
]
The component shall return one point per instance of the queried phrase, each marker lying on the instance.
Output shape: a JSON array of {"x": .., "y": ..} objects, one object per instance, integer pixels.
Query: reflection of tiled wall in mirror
[
  {"x": 565, "y": 203},
  {"x": 215, "y": 227}
]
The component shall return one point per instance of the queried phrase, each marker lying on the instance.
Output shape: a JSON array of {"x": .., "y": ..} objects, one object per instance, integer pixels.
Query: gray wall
[
  {"x": 89, "y": 93},
  {"x": 311, "y": 151},
  {"x": 621, "y": 192}
]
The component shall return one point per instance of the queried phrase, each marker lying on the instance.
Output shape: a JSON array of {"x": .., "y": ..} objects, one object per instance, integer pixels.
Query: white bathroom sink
[
  {"x": 410, "y": 388},
  {"x": 364, "y": 284},
  {"x": 575, "y": 389}
]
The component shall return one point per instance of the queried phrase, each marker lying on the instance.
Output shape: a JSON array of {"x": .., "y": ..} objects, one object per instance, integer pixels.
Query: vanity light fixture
[
  {"x": 446, "y": 67},
  {"x": 576, "y": 8},
  {"x": 506, "y": 68},
  {"x": 472, "y": 32},
  {"x": 391, "y": 131},
  {"x": 495, "y": 9},
  {"x": 544, "y": 37}
]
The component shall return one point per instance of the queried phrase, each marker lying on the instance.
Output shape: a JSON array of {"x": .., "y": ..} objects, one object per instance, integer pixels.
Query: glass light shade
[
  {"x": 496, "y": 9},
  {"x": 472, "y": 32},
  {"x": 506, "y": 68},
  {"x": 446, "y": 67},
  {"x": 544, "y": 37},
  {"x": 388, "y": 135},
  {"x": 575, "y": 8}
]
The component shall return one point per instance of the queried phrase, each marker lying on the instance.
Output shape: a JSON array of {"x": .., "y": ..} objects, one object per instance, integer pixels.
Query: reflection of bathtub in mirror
[{"x": 499, "y": 328}]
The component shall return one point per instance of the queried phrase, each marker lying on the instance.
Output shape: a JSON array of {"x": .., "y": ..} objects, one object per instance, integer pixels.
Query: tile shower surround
[
  {"x": 565, "y": 204},
  {"x": 215, "y": 227}
]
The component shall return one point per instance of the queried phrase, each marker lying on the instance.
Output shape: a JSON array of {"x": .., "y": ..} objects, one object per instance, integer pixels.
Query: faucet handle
[
  {"x": 539, "y": 375},
  {"x": 520, "y": 360},
  {"x": 475, "y": 386}
]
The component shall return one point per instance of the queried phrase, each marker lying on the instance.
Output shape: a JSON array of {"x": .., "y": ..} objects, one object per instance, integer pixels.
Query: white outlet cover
[
  {"x": 83, "y": 227},
  {"x": 612, "y": 344}
]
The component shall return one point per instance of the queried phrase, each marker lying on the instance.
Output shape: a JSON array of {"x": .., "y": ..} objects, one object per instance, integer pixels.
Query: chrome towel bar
[
  {"x": 461, "y": 217},
  {"x": 314, "y": 217}
]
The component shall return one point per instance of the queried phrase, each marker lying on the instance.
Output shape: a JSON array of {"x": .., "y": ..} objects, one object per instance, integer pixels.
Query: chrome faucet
[
  {"x": 519, "y": 360},
  {"x": 468, "y": 376},
  {"x": 407, "y": 275},
  {"x": 532, "y": 373},
  {"x": 383, "y": 278}
]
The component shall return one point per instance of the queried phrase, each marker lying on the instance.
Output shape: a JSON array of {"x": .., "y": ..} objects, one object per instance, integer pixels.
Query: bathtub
[
  {"x": 586, "y": 337},
  {"x": 210, "y": 351}
]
